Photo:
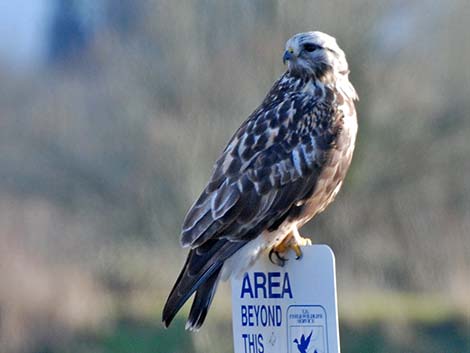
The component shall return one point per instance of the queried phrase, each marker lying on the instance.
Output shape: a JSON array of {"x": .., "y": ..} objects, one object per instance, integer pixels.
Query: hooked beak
[{"x": 288, "y": 55}]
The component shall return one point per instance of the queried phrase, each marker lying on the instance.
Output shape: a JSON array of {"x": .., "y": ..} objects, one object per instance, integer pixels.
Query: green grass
[
  {"x": 369, "y": 323},
  {"x": 445, "y": 337},
  {"x": 135, "y": 336},
  {"x": 399, "y": 307}
]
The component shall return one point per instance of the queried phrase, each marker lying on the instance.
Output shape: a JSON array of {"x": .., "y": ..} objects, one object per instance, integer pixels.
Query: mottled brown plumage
[{"x": 283, "y": 166}]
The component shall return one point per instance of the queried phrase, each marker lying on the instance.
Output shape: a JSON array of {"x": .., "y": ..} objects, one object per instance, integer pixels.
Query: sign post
[{"x": 290, "y": 309}]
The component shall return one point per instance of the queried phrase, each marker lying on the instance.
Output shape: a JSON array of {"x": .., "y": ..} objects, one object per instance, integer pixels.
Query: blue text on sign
[
  {"x": 261, "y": 315},
  {"x": 273, "y": 285}
]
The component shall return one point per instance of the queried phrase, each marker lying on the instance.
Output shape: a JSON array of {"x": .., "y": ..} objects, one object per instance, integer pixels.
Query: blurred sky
[
  {"x": 25, "y": 26},
  {"x": 23, "y": 31}
]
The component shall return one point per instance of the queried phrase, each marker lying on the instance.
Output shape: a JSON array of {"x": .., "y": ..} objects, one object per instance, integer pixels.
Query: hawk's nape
[{"x": 284, "y": 165}]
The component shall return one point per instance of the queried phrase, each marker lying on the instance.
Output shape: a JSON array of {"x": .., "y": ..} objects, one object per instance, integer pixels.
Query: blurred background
[{"x": 112, "y": 113}]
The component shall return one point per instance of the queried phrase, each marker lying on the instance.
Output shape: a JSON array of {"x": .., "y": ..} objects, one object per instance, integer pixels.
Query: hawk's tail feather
[
  {"x": 178, "y": 297},
  {"x": 200, "y": 273},
  {"x": 202, "y": 302}
]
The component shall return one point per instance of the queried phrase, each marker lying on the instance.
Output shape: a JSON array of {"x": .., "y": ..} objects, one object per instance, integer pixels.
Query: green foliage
[
  {"x": 146, "y": 337},
  {"x": 129, "y": 336}
]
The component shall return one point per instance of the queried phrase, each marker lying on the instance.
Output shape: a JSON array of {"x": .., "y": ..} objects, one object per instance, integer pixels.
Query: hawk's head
[{"x": 314, "y": 53}]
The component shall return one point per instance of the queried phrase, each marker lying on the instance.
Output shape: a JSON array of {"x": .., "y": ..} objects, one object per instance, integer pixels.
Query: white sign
[{"x": 290, "y": 309}]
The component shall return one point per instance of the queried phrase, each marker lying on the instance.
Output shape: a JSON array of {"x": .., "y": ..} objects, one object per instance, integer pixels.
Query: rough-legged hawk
[{"x": 283, "y": 166}]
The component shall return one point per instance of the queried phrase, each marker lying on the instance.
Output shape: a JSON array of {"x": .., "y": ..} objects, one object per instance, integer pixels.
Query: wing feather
[
  {"x": 224, "y": 199},
  {"x": 265, "y": 170}
]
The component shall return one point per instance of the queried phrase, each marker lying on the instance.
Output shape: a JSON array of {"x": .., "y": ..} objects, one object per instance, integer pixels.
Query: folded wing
[{"x": 269, "y": 168}]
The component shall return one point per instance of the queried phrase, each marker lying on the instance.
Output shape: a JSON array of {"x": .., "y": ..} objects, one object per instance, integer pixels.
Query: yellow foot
[
  {"x": 299, "y": 241},
  {"x": 293, "y": 241},
  {"x": 279, "y": 249},
  {"x": 298, "y": 250}
]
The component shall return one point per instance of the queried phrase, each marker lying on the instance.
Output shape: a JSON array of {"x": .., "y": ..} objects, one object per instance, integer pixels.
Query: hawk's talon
[
  {"x": 298, "y": 242},
  {"x": 280, "y": 261},
  {"x": 297, "y": 250}
]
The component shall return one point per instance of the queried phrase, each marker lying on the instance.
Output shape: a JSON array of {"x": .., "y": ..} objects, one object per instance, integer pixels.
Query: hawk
[{"x": 284, "y": 165}]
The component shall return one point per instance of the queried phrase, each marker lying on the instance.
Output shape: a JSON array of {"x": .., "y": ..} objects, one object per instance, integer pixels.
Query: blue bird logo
[{"x": 304, "y": 342}]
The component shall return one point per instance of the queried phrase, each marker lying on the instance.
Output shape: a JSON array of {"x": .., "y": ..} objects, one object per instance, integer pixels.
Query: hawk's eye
[{"x": 311, "y": 47}]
